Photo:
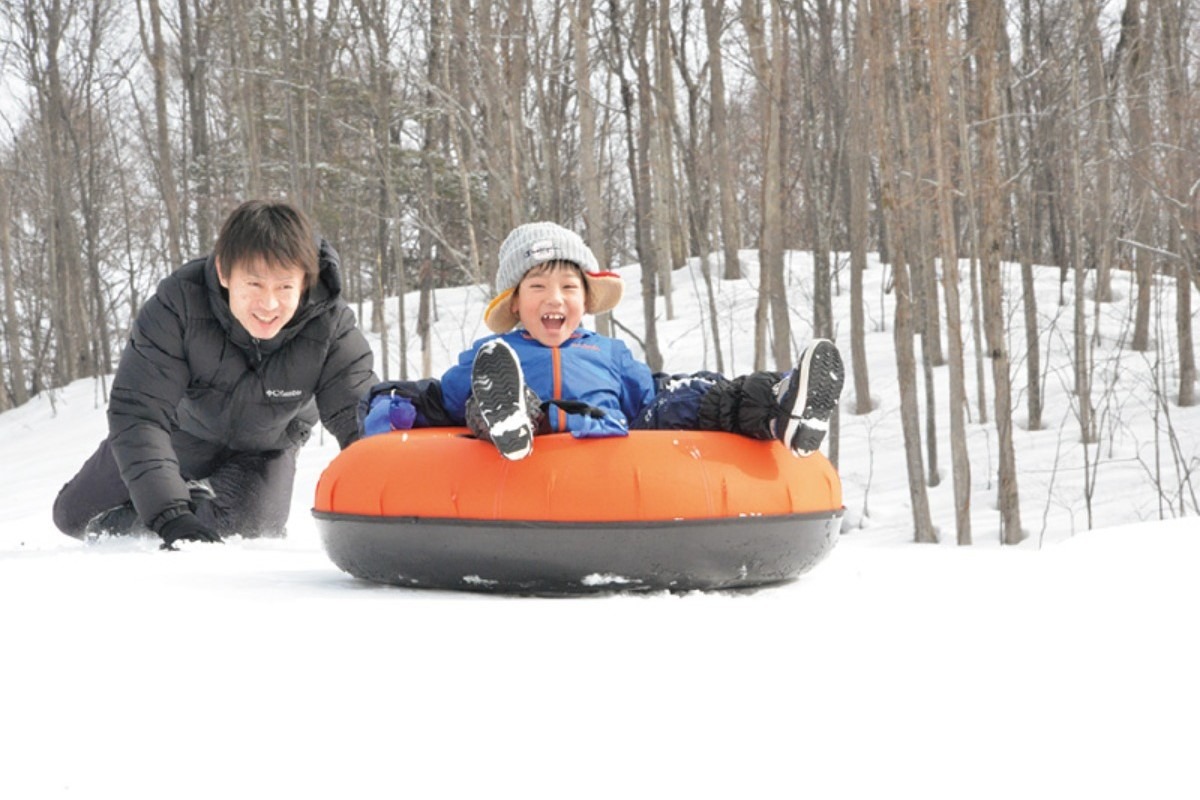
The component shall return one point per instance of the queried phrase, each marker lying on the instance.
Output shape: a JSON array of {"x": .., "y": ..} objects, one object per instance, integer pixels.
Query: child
[{"x": 503, "y": 387}]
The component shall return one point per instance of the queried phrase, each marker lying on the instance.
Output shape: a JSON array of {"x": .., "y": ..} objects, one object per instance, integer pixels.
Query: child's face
[
  {"x": 549, "y": 302},
  {"x": 263, "y": 298}
]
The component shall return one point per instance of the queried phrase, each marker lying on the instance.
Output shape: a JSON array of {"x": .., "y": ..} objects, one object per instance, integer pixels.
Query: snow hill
[{"x": 1063, "y": 667}]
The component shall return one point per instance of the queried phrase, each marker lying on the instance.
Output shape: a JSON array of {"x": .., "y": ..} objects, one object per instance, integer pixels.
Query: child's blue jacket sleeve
[
  {"x": 637, "y": 382},
  {"x": 456, "y": 384}
]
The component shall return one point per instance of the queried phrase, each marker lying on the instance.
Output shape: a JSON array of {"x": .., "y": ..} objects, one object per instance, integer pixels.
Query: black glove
[{"x": 186, "y": 526}]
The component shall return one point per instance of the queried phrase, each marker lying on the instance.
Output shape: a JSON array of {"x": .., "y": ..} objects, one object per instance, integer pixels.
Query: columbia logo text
[{"x": 278, "y": 394}]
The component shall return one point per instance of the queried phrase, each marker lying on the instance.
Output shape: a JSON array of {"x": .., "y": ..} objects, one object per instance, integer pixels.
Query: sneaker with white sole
[
  {"x": 498, "y": 386},
  {"x": 816, "y": 382}
]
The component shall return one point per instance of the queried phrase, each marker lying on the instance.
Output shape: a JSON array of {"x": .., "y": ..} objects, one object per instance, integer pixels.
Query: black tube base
[{"x": 549, "y": 558}]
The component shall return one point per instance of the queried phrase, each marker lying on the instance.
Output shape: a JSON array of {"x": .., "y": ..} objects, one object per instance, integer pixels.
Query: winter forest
[{"x": 948, "y": 137}]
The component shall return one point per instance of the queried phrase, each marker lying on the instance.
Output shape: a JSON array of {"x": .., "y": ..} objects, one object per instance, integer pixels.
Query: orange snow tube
[{"x": 674, "y": 510}]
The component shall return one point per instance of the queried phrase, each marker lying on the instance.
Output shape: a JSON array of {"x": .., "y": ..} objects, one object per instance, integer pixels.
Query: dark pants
[
  {"x": 253, "y": 490},
  {"x": 706, "y": 401},
  {"x": 698, "y": 401}
]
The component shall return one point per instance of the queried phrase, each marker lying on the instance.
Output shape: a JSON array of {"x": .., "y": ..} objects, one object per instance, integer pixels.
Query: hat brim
[{"x": 604, "y": 292}]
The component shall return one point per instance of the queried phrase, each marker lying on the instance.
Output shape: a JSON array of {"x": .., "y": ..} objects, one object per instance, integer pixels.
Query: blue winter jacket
[{"x": 595, "y": 369}]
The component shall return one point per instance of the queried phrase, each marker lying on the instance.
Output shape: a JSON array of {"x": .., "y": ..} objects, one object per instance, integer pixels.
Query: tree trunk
[
  {"x": 1100, "y": 103},
  {"x": 638, "y": 146},
  {"x": 731, "y": 238},
  {"x": 429, "y": 150},
  {"x": 769, "y": 70},
  {"x": 374, "y": 26},
  {"x": 908, "y": 227},
  {"x": 1141, "y": 36},
  {"x": 986, "y": 19},
  {"x": 512, "y": 38},
  {"x": 702, "y": 220},
  {"x": 941, "y": 140},
  {"x": 659, "y": 103},
  {"x": 1024, "y": 210},
  {"x": 882, "y": 88},
  {"x": 286, "y": 91},
  {"x": 589, "y": 172},
  {"x": 1184, "y": 161},
  {"x": 15, "y": 365},
  {"x": 244, "y": 67},
  {"x": 62, "y": 239},
  {"x": 194, "y": 33},
  {"x": 823, "y": 156},
  {"x": 1076, "y": 237},
  {"x": 156, "y": 52},
  {"x": 858, "y": 161},
  {"x": 971, "y": 206}
]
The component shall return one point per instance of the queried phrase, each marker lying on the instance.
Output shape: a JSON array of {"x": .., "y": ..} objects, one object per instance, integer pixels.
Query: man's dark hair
[{"x": 278, "y": 233}]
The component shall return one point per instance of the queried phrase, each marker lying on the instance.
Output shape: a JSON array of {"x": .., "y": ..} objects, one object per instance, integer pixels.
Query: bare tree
[
  {"x": 589, "y": 171},
  {"x": 769, "y": 69},
  {"x": 373, "y": 16},
  {"x": 941, "y": 139},
  {"x": 884, "y": 87},
  {"x": 638, "y": 149},
  {"x": 43, "y": 40},
  {"x": 155, "y": 48},
  {"x": 985, "y": 21},
  {"x": 1183, "y": 164},
  {"x": 433, "y": 132},
  {"x": 858, "y": 164},
  {"x": 727, "y": 193},
  {"x": 1099, "y": 101},
  {"x": 1021, "y": 203},
  {"x": 662, "y": 160},
  {"x": 195, "y": 29},
  {"x": 1076, "y": 238},
  {"x": 823, "y": 148},
  {"x": 17, "y": 389},
  {"x": 1139, "y": 29},
  {"x": 972, "y": 226},
  {"x": 244, "y": 72},
  {"x": 909, "y": 230}
]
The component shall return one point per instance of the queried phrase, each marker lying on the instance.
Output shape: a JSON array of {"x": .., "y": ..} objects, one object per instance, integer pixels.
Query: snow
[{"x": 1065, "y": 666}]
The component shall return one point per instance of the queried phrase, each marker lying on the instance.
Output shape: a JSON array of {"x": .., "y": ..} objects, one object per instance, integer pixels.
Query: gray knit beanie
[{"x": 538, "y": 243}]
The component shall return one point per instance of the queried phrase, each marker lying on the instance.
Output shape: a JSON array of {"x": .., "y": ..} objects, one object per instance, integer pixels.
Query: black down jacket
[{"x": 194, "y": 388}]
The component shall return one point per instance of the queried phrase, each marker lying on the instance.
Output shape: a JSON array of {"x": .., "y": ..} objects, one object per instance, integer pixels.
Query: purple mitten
[{"x": 389, "y": 413}]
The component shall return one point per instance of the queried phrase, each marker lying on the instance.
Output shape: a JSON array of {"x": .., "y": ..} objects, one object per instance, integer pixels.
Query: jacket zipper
[{"x": 560, "y": 418}]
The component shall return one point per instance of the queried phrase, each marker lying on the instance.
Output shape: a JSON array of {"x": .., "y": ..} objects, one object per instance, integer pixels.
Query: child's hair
[{"x": 278, "y": 233}]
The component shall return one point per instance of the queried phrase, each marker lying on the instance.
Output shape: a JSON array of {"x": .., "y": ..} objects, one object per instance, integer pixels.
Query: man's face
[
  {"x": 263, "y": 298},
  {"x": 550, "y": 302}
]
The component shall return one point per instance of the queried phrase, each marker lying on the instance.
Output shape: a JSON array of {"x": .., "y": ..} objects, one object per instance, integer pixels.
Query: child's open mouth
[{"x": 553, "y": 322}]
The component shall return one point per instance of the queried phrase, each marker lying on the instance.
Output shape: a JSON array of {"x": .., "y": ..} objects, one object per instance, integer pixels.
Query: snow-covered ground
[{"x": 1062, "y": 667}]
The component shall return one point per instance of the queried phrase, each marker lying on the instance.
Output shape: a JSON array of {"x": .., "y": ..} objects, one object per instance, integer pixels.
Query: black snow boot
[
  {"x": 502, "y": 401},
  {"x": 807, "y": 397},
  {"x": 123, "y": 520},
  {"x": 119, "y": 520}
]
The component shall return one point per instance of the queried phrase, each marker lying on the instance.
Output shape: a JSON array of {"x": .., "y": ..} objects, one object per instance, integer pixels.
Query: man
[{"x": 228, "y": 367}]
